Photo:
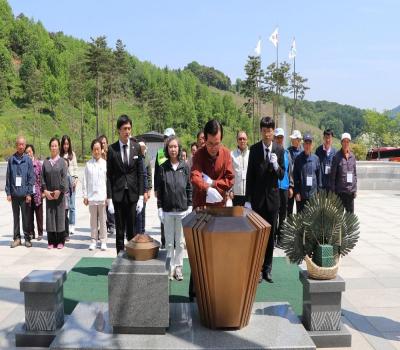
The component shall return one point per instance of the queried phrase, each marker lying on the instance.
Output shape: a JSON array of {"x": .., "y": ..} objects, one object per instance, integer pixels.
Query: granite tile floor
[{"x": 371, "y": 303}]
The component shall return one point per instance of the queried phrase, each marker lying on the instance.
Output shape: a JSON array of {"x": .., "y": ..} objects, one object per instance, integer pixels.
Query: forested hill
[{"x": 53, "y": 84}]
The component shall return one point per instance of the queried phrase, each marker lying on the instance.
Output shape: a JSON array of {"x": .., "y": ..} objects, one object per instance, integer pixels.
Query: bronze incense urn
[
  {"x": 142, "y": 247},
  {"x": 226, "y": 248}
]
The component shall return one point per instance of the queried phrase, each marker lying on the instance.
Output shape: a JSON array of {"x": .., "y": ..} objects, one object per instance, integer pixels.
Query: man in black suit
[
  {"x": 265, "y": 167},
  {"x": 125, "y": 181}
]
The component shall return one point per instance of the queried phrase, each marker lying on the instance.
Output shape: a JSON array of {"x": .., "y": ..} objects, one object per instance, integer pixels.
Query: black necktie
[
  {"x": 125, "y": 155},
  {"x": 266, "y": 155}
]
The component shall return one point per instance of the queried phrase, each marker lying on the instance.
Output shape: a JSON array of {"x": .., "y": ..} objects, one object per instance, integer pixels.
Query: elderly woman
[
  {"x": 174, "y": 200},
  {"x": 54, "y": 184}
]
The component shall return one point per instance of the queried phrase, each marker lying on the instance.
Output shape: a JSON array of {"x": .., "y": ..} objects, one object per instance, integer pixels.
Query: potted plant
[{"x": 320, "y": 234}]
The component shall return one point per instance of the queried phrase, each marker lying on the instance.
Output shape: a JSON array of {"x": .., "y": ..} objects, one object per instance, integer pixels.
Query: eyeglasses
[{"x": 242, "y": 139}]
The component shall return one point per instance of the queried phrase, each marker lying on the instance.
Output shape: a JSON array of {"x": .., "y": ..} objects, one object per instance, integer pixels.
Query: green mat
[{"x": 88, "y": 281}]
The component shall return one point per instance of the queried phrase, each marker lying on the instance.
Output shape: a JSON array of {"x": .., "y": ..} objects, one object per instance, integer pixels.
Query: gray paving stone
[{"x": 272, "y": 326}]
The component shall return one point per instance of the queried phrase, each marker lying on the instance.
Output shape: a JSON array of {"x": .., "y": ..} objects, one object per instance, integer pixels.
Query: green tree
[
  {"x": 253, "y": 90},
  {"x": 6, "y": 19},
  {"x": 6, "y": 74},
  {"x": 277, "y": 83},
  {"x": 77, "y": 93},
  {"x": 98, "y": 59},
  {"x": 297, "y": 87}
]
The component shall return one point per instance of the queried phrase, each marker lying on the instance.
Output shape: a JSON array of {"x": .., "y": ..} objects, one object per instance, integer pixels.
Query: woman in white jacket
[{"x": 94, "y": 188}]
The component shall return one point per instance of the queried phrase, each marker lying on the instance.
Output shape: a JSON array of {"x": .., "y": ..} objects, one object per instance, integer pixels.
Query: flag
[
  {"x": 293, "y": 51},
  {"x": 257, "y": 49},
  {"x": 274, "y": 38}
]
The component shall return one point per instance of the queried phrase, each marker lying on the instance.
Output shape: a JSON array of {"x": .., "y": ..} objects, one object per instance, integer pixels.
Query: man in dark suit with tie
[
  {"x": 125, "y": 181},
  {"x": 265, "y": 167}
]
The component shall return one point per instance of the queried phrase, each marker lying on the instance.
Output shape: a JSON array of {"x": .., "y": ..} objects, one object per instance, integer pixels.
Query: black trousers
[
  {"x": 66, "y": 223},
  {"x": 20, "y": 206},
  {"x": 271, "y": 218},
  {"x": 162, "y": 235},
  {"x": 55, "y": 238},
  {"x": 347, "y": 201},
  {"x": 35, "y": 210},
  {"x": 283, "y": 194},
  {"x": 125, "y": 218},
  {"x": 110, "y": 221},
  {"x": 238, "y": 200}
]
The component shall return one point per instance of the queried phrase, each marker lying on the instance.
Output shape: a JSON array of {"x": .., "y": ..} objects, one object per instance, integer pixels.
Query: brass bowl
[{"x": 142, "y": 247}]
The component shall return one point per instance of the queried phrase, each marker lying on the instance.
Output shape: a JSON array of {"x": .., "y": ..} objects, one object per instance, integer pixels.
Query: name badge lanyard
[{"x": 309, "y": 178}]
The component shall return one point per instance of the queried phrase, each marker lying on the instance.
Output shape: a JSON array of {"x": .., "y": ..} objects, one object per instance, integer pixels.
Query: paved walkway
[{"x": 371, "y": 303}]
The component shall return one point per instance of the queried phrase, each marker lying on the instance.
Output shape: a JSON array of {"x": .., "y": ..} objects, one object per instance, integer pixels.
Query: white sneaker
[
  {"x": 103, "y": 246},
  {"x": 71, "y": 229},
  {"x": 92, "y": 246}
]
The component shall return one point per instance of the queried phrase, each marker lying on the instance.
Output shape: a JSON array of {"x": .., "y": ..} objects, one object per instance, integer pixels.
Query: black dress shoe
[{"x": 268, "y": 277}]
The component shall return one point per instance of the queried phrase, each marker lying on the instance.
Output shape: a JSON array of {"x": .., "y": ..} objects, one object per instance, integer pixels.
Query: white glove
[
  {"x": 139, "y": 205},
  {"x": 247, "y": 205},
  {"x": 161, "y": 215},
  {"x": 274, "y": 161},
  {"x": 213, "y": 196},
  {"x": 207, "y": 179},
  {"x": 110, "y": 206}
]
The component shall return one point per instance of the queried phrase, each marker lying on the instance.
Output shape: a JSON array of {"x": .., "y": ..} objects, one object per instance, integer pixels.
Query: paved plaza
[{"x": 371, "y": 302}]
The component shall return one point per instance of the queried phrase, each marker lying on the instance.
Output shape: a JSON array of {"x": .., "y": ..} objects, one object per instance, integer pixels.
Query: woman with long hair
[
  {"x": 67, "y": 153},
  {"x": 54, "y": 184}
]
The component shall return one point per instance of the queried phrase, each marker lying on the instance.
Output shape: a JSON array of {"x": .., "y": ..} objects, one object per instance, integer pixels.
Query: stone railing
[{"x": 378, "y": 175}]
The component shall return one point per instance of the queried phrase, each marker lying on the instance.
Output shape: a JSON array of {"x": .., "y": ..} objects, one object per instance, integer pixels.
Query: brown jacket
[{"x": 219, "y": 169}]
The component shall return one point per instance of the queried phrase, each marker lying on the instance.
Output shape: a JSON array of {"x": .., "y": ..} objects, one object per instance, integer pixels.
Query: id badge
[
  {"x": 350, "y": 177},
  {"x": 18, "y": 181},
  {"x": 244, "y": 172},
  {"x": 309, "y": 181},
  {"x": 33, "y": 189},
  {"x": 327, "y": 169}
]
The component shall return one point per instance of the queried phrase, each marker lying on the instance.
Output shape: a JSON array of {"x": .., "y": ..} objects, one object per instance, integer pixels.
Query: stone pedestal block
[
  {"x": 44, "y": 300},
  {"x": 322, "y": 308},
  {"x": 138, "y": 295},
  {"x": 44, "y": 308}
]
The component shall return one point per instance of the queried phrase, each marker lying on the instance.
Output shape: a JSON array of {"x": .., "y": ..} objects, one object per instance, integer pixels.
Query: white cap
[
  {"x": 296, "y": 134},
  {"x": 279, "y": 132},
  {"x": 169, "y": 132},
  {"x": 346, "y": 135}
]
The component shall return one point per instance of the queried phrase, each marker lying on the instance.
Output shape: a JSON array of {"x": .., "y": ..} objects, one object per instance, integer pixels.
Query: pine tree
[
  {"x": 253, "y": 90},
  {"x": 97, "y": 60}
]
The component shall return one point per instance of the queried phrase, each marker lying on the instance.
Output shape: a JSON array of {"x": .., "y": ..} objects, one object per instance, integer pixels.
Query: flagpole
[
  {"x": 277, "y": 92},
  {"x": 294, "y": 94}
]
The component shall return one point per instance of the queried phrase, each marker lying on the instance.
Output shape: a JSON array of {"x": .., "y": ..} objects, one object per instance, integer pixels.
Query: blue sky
[{"x": 349, "y": 50}]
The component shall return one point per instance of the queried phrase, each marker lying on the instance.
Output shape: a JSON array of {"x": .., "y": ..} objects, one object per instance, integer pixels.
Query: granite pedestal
[
  {"x": 322, "y": 311},
  {"x": 138, "y": 295},
  {"x": 44, "y": 307},
  {"x": 272, "y": 325}
]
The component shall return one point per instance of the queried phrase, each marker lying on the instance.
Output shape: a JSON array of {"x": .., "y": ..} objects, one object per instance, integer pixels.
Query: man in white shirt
[{"x": 240, "y": 159}]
